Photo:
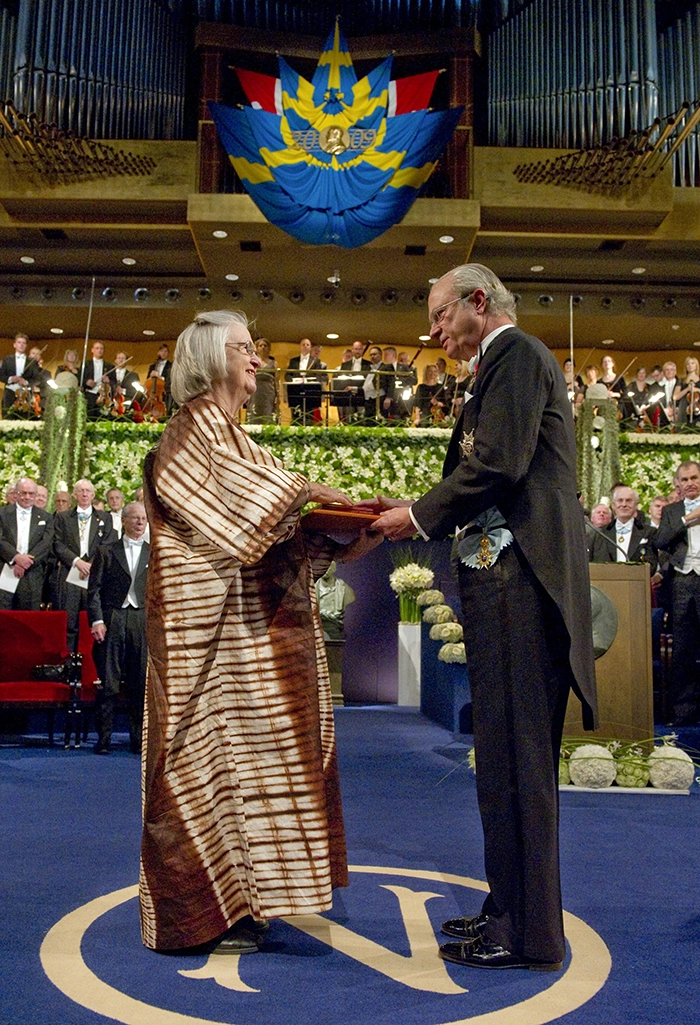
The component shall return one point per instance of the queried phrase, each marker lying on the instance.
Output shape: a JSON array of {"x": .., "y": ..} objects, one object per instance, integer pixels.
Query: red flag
[
  {"x": 263, "y": 91},
  {"x": 407, "y": 95}
]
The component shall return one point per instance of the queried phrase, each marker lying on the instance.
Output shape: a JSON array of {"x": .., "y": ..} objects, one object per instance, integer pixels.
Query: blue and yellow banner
[{"x": 334, "y": 167}]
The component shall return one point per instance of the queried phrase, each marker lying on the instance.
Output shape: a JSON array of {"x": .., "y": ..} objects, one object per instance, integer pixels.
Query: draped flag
[{"x": 334, "y": 160}]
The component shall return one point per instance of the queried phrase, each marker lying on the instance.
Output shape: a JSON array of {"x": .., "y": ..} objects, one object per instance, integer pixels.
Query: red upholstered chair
[{"x": 29, "y": 639}]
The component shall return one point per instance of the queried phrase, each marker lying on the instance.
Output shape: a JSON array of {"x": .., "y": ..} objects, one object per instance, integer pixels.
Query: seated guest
[
  {"x": 26, "y": 536},
  {"x": 627, "y": 536},
  {"x": 116, "y": 610},
  {"x": 115, "y": 501},
  {"x": 78, "y": 534}
]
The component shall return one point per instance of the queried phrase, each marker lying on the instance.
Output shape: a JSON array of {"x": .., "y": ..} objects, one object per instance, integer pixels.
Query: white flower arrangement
[
  {"x": 439, "y": 614},
  {"x": 592, "y": 765},
  {"x": 411, "y": 578},
  {"x": 430, "y": 598},
  {"x": 452, "y": 653},
  {"x": 451, "y": 632},
  {"x": 670, "y": 768}
]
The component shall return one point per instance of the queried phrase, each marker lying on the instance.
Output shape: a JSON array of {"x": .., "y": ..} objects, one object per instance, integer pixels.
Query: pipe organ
[
  {"x": 679, "y": 80},
  {"x": 108, "y": 69}
]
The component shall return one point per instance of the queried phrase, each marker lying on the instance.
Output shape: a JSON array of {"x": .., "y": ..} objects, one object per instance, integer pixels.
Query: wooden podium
[{"x": 624, "y": 672}]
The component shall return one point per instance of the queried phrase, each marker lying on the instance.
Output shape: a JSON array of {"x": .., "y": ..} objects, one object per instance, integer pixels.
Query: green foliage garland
[
  {"x": 63, "y": 448},
  {"x": 597, "y": 442},
  {"x": 20, "y": 451}
]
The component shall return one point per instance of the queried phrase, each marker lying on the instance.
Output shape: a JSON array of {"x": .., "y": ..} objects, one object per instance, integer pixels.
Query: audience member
[
  {"x": 601, "y": 515},
  {"x": 115, "y": 501},
  {"x": 116, "y": 610},
  {"x": 61, "y": 501},
  {"x": 656, "y": 507},
  {"x": 678, "y": 535},
  {"x": 42, "y": 497},
  {"x": 26, "y": 536},
  {"x": 11, "y": 494},
  {"x": 78, "y": 534},
  {"x": 626, "y": 537}
]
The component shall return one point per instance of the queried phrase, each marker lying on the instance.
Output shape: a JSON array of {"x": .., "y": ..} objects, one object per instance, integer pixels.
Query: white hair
[
  {"x": 468, "y": 276},
  {"x": 200, "y": 354}
]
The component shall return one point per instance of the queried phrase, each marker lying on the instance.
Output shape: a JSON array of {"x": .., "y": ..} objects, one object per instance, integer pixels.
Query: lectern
[{"x": 624, "y": 672}]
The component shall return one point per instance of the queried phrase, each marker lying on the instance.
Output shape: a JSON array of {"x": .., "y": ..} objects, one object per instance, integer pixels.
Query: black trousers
[
  {"x": 517, "y": 656},
  {"x": 685, "y": 676},
  {"x": 121, "y": 661},
  {"x": 74, "y": 600}
]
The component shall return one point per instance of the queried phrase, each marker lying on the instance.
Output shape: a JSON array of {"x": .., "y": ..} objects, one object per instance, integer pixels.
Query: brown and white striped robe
[{"x": 241, "y": 799}]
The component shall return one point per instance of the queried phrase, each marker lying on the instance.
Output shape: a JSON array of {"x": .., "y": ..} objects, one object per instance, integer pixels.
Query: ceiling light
[
  {"x": 296, "y": 296},
  {"x": 332, "y": 336},
  {"x": 172, "y": 295},
  {"x": 420, "y": 297},
  {"x": 697, "y": 345},
  {"x": 147, "y": 332},
  {"x": 56, "y": 330},
  {"x": 141, "y": 295},
  {"x": 638, "y": 302},
  {"x": 669, "y": 302},
  {"x": 328, "y": 296},
  {"x": 26, "y": 259},
  {"x": 433, "y": 281},
  {"x": 545, "y": 300},
  {"x": 608, "y": 341},
  {"x": 16, "y": 292},
  {"x": 266, "y": 294},
  {"x": 232, "y": 277},
  {"x": 639, "y": 270},
  {"x": 47, "y": 293},
  {"x": 204, "y": 293},
  {"x": 220, "y": 234},
  {"x": 423, "y": 338},
  {"x": 129, "y": 261},
  {"x": 78, "y": 293},
  {"x": 606, "y": 302},
  {"x": 537, "y": 267},
  {"x": 358, "y": 298},
  {"x": 390, "y": 297},
  {"x": 109, "y": 294},
  {"x": 674, "y": 327},
  {"x": 334, "y": 279},
  {"x": 236, "y": 296},
  {"x": 447, "y": 239}
]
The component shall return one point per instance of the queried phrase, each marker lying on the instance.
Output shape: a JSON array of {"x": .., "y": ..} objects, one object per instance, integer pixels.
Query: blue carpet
[{"x": 70, "y": 833}]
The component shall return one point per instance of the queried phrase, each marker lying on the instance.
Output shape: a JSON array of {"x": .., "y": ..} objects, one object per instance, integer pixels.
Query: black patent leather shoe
[
  {"x": 465, "y": 928},
  {"x": 238, "y": 940},
  {"x": 479, "y": 953}
]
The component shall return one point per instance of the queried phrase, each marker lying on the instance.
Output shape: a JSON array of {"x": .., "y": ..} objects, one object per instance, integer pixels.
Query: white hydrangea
[
  {"x": 411, "y": 578},
  {"x": 430, "y": 598},
  {"x": 438, "y": 614},
  {"x": 592, "y": 765},
  {"x": 452, "y": 653},
  {"x": 446, "y": 632},
  {"x": 670, "y": 768}
]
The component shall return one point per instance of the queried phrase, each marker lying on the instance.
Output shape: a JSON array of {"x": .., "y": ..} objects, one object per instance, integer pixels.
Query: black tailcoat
[
  {"x": 640, "y": 547},
  {"x": 28, "y": 595},
  {"x": 67, "y": 549},
  {"x": 8, "y": 369}
]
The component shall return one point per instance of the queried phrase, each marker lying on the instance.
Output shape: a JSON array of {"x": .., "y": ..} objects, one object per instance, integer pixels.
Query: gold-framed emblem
[{"x": 466, "y": 445}]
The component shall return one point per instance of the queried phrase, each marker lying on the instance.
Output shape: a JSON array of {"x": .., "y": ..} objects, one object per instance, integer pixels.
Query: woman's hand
[
  {"x": 329, "y": 496},
  {"x": 363, "y": 544},
  {"x": 381, "y": 503}
]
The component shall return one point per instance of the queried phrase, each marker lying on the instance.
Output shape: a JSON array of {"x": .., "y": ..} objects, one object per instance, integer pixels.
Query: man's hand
[
  {"x": 692, "y": 518},
  {"x": 98, "y": 631},
  {"x": 23, "y": 562},
  {"x": 380, "y": 503},
  {"x": 366, "y": 542},
  {"x": 83, "y": 568},
  {"x": 395, "y": 524}
]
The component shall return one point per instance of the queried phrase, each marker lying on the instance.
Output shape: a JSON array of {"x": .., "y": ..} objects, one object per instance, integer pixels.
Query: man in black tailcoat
[
  {"x": 161, "y": 368},
  {"x": 679, "y": 536},
  {"x": 627, "y": 537},
  {"x": 91, "y": 375},
  {"x": 509, "y": 493},
  {"x": 78, "y": 533},
  {"x": 16, "y": 371},
  {"x": 302, "y": 408},
  {"x": 116, "y": 610},
  {"x": 26, "y": 538}
]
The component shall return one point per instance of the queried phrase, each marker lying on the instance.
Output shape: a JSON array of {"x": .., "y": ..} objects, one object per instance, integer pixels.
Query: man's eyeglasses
[{"x": 437, "y": 315}]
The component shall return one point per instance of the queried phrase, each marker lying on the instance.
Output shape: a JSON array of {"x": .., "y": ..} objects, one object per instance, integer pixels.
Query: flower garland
[{"x": 63, "y": 442}]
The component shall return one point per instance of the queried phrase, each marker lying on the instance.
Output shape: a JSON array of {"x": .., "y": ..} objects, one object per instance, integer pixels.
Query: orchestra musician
[
  {"x": 160, "y": 370},
  {"x": 124, "y": 383},
  {"x": 97, "y": 391},
  {"x": 18, "y": 372}
]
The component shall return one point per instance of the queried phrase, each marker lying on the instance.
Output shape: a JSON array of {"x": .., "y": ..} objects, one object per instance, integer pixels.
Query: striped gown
[{"x": 241, "y": 802}]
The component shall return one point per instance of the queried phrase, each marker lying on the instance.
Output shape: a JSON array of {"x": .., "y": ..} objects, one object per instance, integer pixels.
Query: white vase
[{"x": 409, "y": 664}]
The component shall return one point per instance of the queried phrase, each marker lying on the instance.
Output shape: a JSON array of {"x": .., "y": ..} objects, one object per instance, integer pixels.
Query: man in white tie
[
  {"x": 17, "y": 371},
  {"x": 626, "y": 536},
  {"x": 26, "y": 538},
  {"x": 115, "y": 503},
  {"x": 116, "y": 610},
  {"x": 668, "y": 383},
  {"x": 679, "y": 535}
]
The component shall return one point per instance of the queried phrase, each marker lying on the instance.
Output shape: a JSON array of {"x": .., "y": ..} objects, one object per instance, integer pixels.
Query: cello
[{"x": 154, "y": 405}]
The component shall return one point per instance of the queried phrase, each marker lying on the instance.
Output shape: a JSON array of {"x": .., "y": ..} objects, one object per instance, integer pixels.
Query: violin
[
  {"x": 23, "y": 398},
  {"x": 104, "y": 397},
  {"x": 154, "y": 406},
  {"x": 36, "y": 404}
]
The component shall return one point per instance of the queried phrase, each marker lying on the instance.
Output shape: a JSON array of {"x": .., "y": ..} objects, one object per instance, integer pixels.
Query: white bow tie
[
  {"x": 691, "y": 504},
  {"x": 134, "y": 544},
  {"x": 623, "y": 528}
]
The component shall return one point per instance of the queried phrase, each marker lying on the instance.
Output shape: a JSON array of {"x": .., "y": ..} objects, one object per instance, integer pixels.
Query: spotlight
[
  {"x": 328, "y": 296},
  {"x": 359, "y": 298},
  {"x": 638, "y": 302},
  {"x": 669, "y": 302},
  {"x": 390, "y": 297},
  {"x": 266, "y": 294},
  {"x": 576, "y": 300},
  {"x": 296, "y": 296},
  {"x": 420, "y": 297},
  {"x": 78, "y": 293},
  {"x": 545, "y": 300},
  {"x": 172, "y": 295},
  {"x": 517, "y": 297},
  {"x": 109, "y": 294},
  {"x": 334, "y": 279},
  {"x": 47, "y": 293},
  {"x": 16, "y": 292},
  {"x": 141, "y": 295},
  {"x": 606, "y": 302},
  {"x": 236, "y": 296},
  {"x": 204, "y": 293}
]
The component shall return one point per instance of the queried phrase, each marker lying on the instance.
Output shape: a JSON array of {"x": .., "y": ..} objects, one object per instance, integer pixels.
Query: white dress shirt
[{"x": 24, "y": 519}]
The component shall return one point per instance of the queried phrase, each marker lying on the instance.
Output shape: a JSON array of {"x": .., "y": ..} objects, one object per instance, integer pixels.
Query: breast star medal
[
  {"x": 466, "y": 445},
  {"x": 484, "y": 558}
]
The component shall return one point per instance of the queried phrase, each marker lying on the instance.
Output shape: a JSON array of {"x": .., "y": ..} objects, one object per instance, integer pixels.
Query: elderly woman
[{"x": 242, "y": 815}]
